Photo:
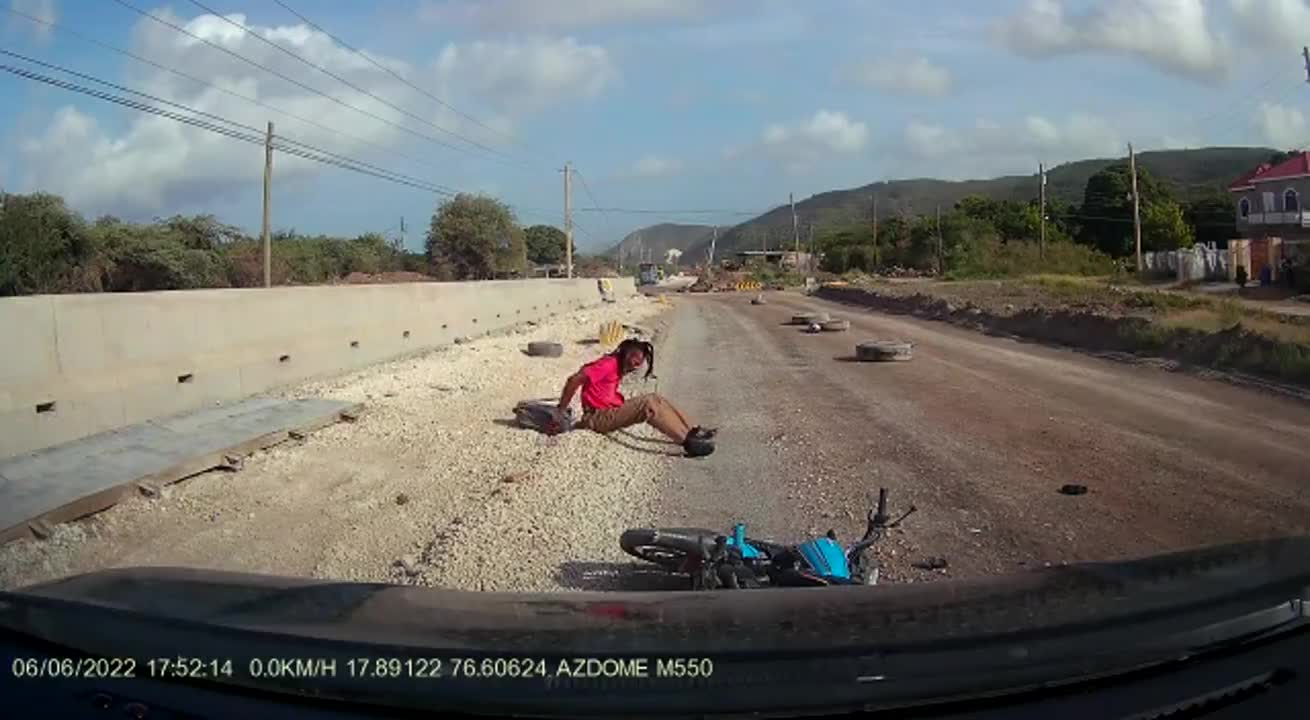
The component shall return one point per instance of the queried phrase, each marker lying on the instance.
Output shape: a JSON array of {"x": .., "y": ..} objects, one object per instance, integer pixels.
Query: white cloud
[
  {"x": 43, "y": 10},
  {"x": 798, "y": 147},
  {"x": 650, "y": 166},
  {"x": 987, "y": 148},
  {"x": 1174, "y": 35},
  {"x": 153, "y": 164},
  {"x": 527, "y": 76},
  {"x": 904, "y": 76},
  {"x": 509, "y": 15},
  {"x": 1279, "y": 22},
  {"x": 1281, "y": 126}
]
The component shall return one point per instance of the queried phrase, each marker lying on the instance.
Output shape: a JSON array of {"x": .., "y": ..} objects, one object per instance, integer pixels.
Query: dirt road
[{"x": 978, "y": 432}]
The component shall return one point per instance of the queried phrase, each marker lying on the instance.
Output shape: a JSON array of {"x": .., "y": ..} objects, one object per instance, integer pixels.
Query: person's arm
[{"x": 571, "y": 387}]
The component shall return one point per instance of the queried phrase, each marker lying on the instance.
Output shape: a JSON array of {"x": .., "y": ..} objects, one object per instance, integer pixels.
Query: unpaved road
[{"x": 979, "y": 432}]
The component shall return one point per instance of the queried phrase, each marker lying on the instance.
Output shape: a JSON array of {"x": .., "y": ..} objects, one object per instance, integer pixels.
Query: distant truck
[{"x": 649, "y": 274}]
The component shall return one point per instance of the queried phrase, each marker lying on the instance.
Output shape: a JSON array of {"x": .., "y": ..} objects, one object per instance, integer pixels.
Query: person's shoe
[
  {"x": 697, "y": 446},
  {"x": 704, "y": 432}
]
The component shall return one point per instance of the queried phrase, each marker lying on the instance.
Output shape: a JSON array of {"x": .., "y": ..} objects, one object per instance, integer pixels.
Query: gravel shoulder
[{"x": 433, "y": 485}]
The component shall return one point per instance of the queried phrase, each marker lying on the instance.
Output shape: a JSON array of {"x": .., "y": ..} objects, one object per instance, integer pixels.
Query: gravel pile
[{"x": 433, "y": 485}]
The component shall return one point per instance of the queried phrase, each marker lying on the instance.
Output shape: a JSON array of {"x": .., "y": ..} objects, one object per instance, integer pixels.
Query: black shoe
[{"x": 695, "y": 446}]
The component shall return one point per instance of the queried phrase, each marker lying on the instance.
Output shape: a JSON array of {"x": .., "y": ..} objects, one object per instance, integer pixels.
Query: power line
[
  {"x": 219, "y": 118},
  {"x": 587, "y": 189},
  {"x": 297, "y": 150},
  {"x": 397, "y": 75},
  {"x": 288, "y": 79},
  {"x": 652, "y": 211},
  {"x": 342, "y": 80},
  {"x": 127, "y": 53}
]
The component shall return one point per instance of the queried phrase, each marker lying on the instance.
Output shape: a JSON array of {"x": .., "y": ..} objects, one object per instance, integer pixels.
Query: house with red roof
[
  {"x": 1269, "y": 199},
  {"x": 1269, "y": 202}
]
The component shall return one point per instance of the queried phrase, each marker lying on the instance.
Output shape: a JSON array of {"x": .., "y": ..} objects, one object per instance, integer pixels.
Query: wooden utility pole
[
  {"x": 402, "y": 233},
  {"x": 875, "y": 232},
  {"x": 1041, "y": 248},
  {"x": 568, "y": 220},
  {"x": 1137, "y": 215},
  {"x": 795, "y": 227},
  {"x": 941, "y": 262},
  {"x": 268, "y": 181}
]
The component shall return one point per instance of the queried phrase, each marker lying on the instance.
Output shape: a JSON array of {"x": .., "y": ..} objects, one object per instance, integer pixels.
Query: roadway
[{"x": 979, "y": 432}]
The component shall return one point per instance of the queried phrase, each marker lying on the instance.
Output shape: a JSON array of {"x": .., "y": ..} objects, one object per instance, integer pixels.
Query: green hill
[
  {"x": 1188, "y": 173},
  {"x": 651, "y": 243}
]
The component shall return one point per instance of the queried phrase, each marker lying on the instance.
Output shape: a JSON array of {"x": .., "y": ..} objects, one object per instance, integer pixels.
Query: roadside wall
[{"x": 75, "y": 365}]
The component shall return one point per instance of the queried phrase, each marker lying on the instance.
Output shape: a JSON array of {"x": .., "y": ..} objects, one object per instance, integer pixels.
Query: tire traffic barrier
[
  {"x": 835, "y": 325},
  {"x": 543, "y": 348},
  {"x": 883, "y": 351},
  {"x": 610, "y": 334},
  {"x": 807, "y": 318}
]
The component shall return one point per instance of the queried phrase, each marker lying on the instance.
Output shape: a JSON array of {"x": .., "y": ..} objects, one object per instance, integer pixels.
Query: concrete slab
[{"x": 75, "y": 479}]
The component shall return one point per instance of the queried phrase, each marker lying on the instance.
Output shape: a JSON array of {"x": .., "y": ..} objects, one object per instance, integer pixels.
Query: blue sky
[{"x": 660, "y": 104}]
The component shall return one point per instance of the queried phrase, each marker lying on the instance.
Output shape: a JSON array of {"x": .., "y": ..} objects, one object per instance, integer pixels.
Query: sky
[{"x": 700, "y": 110}]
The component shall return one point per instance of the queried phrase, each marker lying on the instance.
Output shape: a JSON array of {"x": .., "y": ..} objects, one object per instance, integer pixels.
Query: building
[{"x": 1269, "y": 205}]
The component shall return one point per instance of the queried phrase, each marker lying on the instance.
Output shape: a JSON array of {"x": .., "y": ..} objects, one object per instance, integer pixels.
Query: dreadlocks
[{"x": 646, "y": 349}]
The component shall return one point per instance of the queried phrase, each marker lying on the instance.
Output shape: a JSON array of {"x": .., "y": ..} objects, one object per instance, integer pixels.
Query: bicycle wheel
[{"x": 667, "y": 547}]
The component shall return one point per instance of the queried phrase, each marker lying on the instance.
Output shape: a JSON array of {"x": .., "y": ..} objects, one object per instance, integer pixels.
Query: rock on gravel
[{"x": 327, "y": 506}]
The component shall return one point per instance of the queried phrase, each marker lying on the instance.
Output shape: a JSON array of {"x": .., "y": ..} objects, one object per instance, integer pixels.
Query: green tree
[
  {"x": 1107, "y": 211},
  {"x": 43, "y": 244},
  {"x": 1213, "y": 217},
  {"x": 546, "y": 245},
  {"x": 472, "y": 237},
  {"x": 1163, "y": 227}
]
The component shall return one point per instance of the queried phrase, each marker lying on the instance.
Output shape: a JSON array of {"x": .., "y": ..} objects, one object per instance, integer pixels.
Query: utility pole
[
  {"x": 568, "y": 220},
  {"x": 875, "y": 232},
  {"x": 1041, "y": 248},
  {"x": 1137, "y": 215},
  {"x": 941, "y": 262},
  {"x": 714, "y": 241},
  {"x": 402, "y": 233},
  {"x": 810, "y": 263},
  {"x": 268, "y": 180},
  {"x": 795, "y": 227}
]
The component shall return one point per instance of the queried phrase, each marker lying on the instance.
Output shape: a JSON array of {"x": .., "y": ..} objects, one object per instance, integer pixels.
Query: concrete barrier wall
[{"x": 75, "y": 365}]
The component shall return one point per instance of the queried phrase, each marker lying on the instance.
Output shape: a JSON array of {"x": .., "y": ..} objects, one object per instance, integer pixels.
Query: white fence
[{"x": 1202, "y": 262}]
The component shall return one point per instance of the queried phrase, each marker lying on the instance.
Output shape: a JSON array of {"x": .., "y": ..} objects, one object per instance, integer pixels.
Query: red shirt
[{"x": 600, "y": 390}]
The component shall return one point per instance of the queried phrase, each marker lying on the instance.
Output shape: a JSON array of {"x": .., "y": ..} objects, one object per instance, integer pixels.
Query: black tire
[
  {"x": 543, "y": 348},
  {"x": 667, "y": 547}
]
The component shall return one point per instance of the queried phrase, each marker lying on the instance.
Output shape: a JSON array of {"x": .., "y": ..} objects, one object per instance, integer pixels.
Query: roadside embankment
[{"x": 1099, "y": 317}]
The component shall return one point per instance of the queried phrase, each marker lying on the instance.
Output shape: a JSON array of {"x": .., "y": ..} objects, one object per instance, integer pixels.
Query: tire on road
[
  {"x": 542, "y": 348},
  {"x": 835, "y": 325},
  {"x": 883, "y": 351},
  {"x": 807, "y": 318}
]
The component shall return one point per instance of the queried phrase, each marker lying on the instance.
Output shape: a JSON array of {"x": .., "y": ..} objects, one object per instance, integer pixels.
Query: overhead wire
[
  {"x": 409, "y": 157},
  {"x": 255, "y": 138},
  {"x": 291, "y": 80},
  {"x": 363, "y": 91},
  {"x": 398, "y": 76}
]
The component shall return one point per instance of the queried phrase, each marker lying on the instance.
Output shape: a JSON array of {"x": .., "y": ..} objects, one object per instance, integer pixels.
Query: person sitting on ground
[{"x": 604, "y": 410}]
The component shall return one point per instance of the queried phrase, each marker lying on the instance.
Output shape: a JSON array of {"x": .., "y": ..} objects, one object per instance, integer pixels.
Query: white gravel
[{"x": 432, "y": 485}]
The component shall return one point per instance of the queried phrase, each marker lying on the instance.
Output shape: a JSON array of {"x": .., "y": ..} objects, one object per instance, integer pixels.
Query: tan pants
[{"x": 637, "y": 410}]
